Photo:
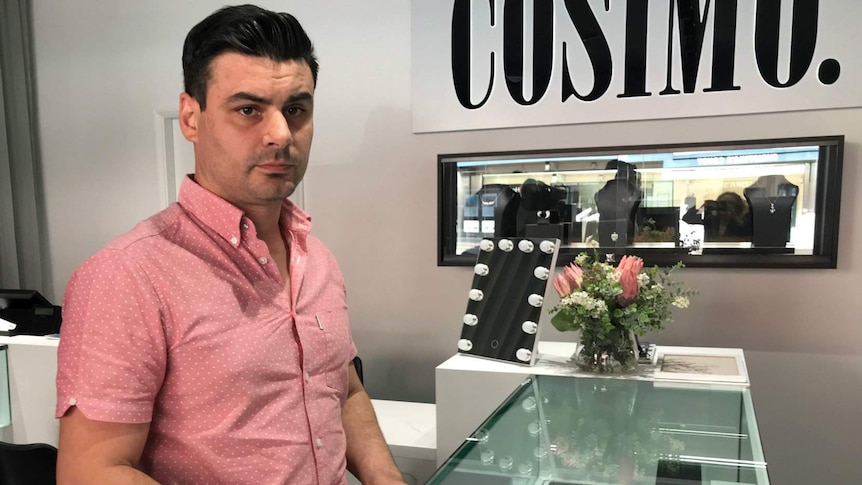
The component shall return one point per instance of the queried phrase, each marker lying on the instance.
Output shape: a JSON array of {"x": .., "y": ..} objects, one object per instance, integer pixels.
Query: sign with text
[{"x": 507, "y": 63}]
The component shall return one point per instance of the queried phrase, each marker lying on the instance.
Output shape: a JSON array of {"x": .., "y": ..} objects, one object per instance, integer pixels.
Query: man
[{"x": 210, "y": 344}]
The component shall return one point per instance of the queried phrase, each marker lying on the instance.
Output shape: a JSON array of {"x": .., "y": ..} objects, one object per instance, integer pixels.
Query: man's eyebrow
[
  {"x": 301, "y": 96},
  {"x": 244, "y": 96}
]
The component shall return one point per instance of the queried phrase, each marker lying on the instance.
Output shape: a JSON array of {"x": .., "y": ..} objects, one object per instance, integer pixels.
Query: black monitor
[
  {"x": 31, "y": 312},
  {"x": 22, "y": 299}
]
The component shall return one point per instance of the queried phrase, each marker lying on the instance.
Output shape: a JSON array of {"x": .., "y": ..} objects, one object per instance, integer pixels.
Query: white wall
[{"x": 105, "y": 68}]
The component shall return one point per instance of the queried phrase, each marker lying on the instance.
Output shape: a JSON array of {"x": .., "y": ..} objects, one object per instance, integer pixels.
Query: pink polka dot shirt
[{"x": 184, "y": 323}]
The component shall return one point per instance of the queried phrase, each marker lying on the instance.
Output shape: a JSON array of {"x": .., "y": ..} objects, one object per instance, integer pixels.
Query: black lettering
[
  {"x": 803, "y": 39},
  {"x": 513, "y": 48},
  {"x": 723, "y": 47},
  {"x": 461, "y": 50},
  {"x": 691, "y": 29},
  {"x": 597, "y": 49},
  {"x": 636, "y": 50}
]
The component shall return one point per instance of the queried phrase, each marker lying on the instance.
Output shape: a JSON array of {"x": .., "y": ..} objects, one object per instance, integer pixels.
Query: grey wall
[{"x": 105, "y": 69}]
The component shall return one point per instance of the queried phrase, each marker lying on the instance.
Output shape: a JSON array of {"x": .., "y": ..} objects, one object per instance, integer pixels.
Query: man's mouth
[{"x": 275, "y": 167}]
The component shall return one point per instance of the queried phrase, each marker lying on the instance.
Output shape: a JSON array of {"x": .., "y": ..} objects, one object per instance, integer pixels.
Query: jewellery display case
[
  {"x": 759, "y": 203},
  {"x": 556, "y": 430}
]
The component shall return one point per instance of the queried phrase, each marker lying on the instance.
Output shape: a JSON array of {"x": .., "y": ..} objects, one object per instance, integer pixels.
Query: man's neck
[{"x": 265, "y": 219}]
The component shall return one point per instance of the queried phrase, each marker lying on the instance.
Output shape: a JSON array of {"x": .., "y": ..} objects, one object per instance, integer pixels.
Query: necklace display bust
[
  {"x": 617, "y": 203},
  {"x": 771, "y": 200}
]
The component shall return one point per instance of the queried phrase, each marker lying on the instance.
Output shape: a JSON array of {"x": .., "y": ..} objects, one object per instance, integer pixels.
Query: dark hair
[{"x": 245, "y": 29}]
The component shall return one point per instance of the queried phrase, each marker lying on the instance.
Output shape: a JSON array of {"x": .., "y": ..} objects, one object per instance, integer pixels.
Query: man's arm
[
  {"x": 368, "y": 456},
  {"x": 98, "y": 452}
]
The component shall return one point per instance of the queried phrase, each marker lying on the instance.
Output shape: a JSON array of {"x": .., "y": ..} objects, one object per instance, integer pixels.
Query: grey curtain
[{"x": 21, "y": 208}]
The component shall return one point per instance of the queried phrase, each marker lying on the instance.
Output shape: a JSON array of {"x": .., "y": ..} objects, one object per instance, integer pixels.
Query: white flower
[
  {"x": 582, "y": 259},
  {"x": 680, "y": 302},
  {"x": 643, "y": 280},
  {"x": 582, "y": 299}
]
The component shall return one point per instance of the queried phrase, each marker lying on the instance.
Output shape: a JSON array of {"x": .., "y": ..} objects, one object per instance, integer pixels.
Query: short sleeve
[{"x": 112, "y": 353}]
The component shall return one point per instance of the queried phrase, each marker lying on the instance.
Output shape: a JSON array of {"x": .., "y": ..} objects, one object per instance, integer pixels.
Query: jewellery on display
[
  {"x": 771, "y": 201},
  {"x": 771, "y": 204}
]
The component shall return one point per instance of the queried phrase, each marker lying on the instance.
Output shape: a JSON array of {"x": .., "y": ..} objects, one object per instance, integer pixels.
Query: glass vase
[{"x": 615, "y": 351}]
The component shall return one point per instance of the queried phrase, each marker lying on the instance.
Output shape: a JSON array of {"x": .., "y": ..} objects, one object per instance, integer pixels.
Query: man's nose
[{"x": 277, "y": 131}]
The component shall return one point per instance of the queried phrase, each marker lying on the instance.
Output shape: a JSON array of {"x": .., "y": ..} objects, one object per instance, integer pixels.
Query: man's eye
[
  {"x": 248, "y": 111},
  {"x": 295, "y": 111}
]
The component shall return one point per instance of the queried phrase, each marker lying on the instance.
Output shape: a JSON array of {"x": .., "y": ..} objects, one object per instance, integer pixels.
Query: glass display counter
[
  {"x": 5, "y": 408},
  {"x": 561, "y": 430}
]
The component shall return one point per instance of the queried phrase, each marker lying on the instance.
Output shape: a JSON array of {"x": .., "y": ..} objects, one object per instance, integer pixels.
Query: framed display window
[{"x": 755, "y": 203}]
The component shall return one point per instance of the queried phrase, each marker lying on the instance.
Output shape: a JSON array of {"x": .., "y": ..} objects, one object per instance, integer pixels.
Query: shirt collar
[{"x": 226, "y": 219}]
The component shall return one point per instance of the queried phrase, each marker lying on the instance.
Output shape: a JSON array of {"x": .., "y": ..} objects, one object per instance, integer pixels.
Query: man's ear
[{"x": 190, "y": 113}]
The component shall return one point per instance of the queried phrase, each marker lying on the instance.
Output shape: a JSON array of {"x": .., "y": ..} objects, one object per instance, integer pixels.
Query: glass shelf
[{"x": 562, "y": 430}]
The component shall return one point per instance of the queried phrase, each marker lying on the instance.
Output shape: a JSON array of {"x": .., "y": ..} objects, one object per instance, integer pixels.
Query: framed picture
[{"x": 702, "y": 364}]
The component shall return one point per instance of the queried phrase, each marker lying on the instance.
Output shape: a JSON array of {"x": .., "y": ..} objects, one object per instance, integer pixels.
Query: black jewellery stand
[
  {"x": 771, "y": 200},
  {"x": 540, "y": 212},
  {"x": 618, "y": 202}
]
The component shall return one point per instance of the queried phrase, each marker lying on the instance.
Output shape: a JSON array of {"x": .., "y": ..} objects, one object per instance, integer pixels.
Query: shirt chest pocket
[{"x": 336, "y": 348}]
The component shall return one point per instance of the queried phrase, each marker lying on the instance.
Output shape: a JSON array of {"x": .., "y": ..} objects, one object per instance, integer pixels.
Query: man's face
[{"x": 252, "y": 141}]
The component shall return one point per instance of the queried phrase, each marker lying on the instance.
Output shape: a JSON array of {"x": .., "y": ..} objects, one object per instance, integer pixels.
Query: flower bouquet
[{"x": 609, "y": 305}]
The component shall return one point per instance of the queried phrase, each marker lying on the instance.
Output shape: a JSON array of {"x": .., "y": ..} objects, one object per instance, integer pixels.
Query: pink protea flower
[
  {"x": 629, "y": 269},
  {"x": 569, "y": 280}
]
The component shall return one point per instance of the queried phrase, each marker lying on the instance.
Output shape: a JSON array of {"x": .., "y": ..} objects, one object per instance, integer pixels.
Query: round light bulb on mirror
[
  {"x": 535, "y": 300},
  {"x": 476, "y": 294},
  {"x": 487, "y": 457},
  {"x": 541, "y": 272},
  {"x": 525, "y": 246},
  {"x": 540, "y": 452},
  {"x": 505, "y": 245},
  {"x": 529, "y": 327},
  {"x": 465, "y": 345},
  {"x": 547, "y": 247},
  {"x": 481, "y": 269},
  {"x": 470, "y": 319},
  {"x": 486, "y": 245},
  {"x": 524, "y": 355}
]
